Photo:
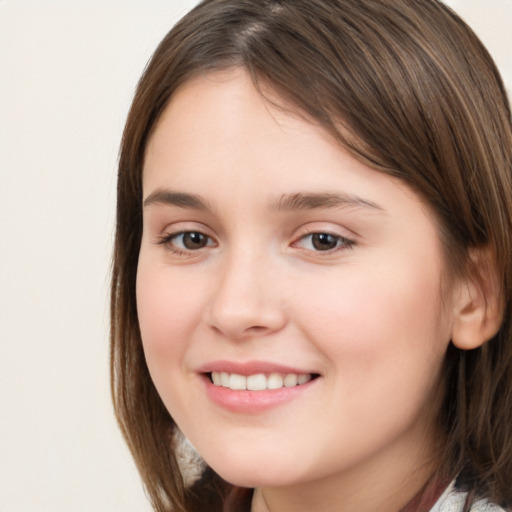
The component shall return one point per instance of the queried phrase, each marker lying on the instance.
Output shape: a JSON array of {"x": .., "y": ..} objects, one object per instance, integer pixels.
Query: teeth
[
  {"x": 275, "y": 381},
  {"x": 224, "y": 379},
  {"x": 237, "y": 381},
  {"x": 259, "y": 381},
  {"x": 302, "y": 379},
  {"x": 290, "y": 380}
]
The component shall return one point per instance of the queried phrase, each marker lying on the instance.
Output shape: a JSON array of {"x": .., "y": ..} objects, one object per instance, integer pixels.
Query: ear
[{"x": 478, "y": 308}]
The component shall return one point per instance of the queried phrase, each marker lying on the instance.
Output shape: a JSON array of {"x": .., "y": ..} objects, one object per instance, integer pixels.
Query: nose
[{"x": 248, "y": 299}]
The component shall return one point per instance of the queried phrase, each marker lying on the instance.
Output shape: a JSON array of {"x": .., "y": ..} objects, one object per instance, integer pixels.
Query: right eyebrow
[{"x": 180, "y": 199}]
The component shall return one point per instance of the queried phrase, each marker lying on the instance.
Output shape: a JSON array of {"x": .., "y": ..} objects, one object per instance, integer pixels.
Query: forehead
[
  {"x": 219, "y": 126},
  {"x": 222, "y": 118},
  {"x": 223, "y": 94}
]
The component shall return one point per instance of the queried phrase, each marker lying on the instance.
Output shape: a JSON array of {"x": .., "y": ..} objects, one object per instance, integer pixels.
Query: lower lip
[{"x": 253, "y": 401}]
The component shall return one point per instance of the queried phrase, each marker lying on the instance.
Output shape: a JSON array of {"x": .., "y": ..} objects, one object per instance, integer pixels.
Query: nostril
[{"x": 257, "y": 328}]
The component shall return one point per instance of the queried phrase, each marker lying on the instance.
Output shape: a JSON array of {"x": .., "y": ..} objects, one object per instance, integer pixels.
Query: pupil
[
  {"x": 194, "y": 240},
  {"x": 324, "y": 241}
]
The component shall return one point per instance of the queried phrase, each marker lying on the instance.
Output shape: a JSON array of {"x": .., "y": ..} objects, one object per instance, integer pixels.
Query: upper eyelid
[
  {"x": 308, "y": 229},
  {"x": 320, "y": 227},
  {"x": 326, "y": 232},
  {"x": 170, "y": 235},
  {"x": 344, "y": 239},
  {"x": 177, "y": 228}
]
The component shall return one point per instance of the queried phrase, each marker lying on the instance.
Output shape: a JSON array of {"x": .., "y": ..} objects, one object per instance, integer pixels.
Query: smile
[
  {"x": 259, "y": 381},
  {"x": 257, "y": 392}
]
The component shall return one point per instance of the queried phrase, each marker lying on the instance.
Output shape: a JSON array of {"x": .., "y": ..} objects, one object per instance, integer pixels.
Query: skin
[{"x": 367, "y": 316}]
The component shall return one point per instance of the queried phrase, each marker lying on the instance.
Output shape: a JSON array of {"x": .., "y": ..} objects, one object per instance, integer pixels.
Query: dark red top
[{"x": 240, "y": 498}]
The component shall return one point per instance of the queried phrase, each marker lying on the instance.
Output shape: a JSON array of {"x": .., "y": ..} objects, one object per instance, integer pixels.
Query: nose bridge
[{"x": 245, "y": 302}]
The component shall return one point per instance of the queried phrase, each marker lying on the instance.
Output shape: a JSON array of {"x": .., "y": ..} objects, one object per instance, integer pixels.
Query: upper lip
[{"x": 250, "y": 368}]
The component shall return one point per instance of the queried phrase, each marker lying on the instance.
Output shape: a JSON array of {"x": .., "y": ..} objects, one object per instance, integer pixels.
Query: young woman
[{"x": 312, "y": 269}]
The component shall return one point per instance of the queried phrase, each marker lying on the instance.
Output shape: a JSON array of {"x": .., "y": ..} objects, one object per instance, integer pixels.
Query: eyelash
[
  {"x": 342, "y": 243},
  {"x": 166, "y": 240}
]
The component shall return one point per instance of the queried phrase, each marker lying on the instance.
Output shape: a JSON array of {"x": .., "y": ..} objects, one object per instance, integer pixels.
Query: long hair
[{"x": 407, "y": 88}]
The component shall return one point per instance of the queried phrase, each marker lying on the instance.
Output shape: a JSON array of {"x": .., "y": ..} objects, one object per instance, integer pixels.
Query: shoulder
[{"x": 453, "y": 501}]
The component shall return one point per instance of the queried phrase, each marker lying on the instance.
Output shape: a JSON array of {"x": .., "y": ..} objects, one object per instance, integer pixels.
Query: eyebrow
[
  {"x": 180, "y": 199},
  {"x": 312, "y": 200},
  {"x": 287, "y": 202}
]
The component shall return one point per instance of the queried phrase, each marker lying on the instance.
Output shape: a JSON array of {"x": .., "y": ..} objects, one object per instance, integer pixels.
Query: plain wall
[{"x": 67, "y": 73}]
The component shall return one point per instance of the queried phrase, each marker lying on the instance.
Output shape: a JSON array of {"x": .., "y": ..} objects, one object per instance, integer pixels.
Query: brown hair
[{"x": 408, "y": 88}]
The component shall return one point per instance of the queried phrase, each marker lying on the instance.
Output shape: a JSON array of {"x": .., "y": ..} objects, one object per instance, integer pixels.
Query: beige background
[{"x": 67, "y": 73}]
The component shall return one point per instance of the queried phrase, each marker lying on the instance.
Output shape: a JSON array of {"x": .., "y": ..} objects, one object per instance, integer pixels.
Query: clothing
[{"x": 453, "y": 501}]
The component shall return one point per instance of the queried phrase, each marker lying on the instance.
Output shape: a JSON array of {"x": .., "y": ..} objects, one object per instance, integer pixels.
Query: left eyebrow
[{"x": 312, "y": 201}]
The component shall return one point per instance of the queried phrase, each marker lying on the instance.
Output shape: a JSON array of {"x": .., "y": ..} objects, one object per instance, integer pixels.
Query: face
[{"x": 289, "y": 297}]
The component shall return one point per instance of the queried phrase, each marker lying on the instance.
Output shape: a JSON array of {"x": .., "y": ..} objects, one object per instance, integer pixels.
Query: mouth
[
  {"x": 251, "y": 387},
  {"x": 259, "y": 381}
]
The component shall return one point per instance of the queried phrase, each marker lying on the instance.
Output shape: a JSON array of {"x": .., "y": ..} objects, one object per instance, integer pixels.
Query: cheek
[
  {"x": 168, "y": 313},
  {"x": 380, "y": 328}
]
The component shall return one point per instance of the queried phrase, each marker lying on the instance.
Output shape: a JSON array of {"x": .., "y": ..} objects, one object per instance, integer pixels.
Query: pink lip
[
  {"x": 251, "y": 402},
  {"x": 249, "y": 368}
]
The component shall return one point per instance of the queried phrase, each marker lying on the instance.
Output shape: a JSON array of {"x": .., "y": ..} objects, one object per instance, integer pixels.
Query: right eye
[{"x": 186, "y": 241}]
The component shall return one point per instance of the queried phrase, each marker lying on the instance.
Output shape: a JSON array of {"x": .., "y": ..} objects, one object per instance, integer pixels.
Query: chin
[
  {"x": 259, "y": 472},
  {"x": 252, "y": 477}
]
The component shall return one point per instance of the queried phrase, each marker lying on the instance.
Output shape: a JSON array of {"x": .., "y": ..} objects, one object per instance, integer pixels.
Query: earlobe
[{"x": 478, "y": 308}]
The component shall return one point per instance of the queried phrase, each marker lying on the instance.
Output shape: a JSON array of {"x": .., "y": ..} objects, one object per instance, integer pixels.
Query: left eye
[{"x": 323, "y": 241}]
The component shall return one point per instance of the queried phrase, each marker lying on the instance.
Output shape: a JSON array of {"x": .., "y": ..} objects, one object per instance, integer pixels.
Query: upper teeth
[{"x": 259, "y": 381}]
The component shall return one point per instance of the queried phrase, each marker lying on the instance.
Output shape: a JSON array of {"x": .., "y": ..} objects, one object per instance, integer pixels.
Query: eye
[
  {"x": 187, "y": 241},
  {"x": 323, "y": 242}
]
